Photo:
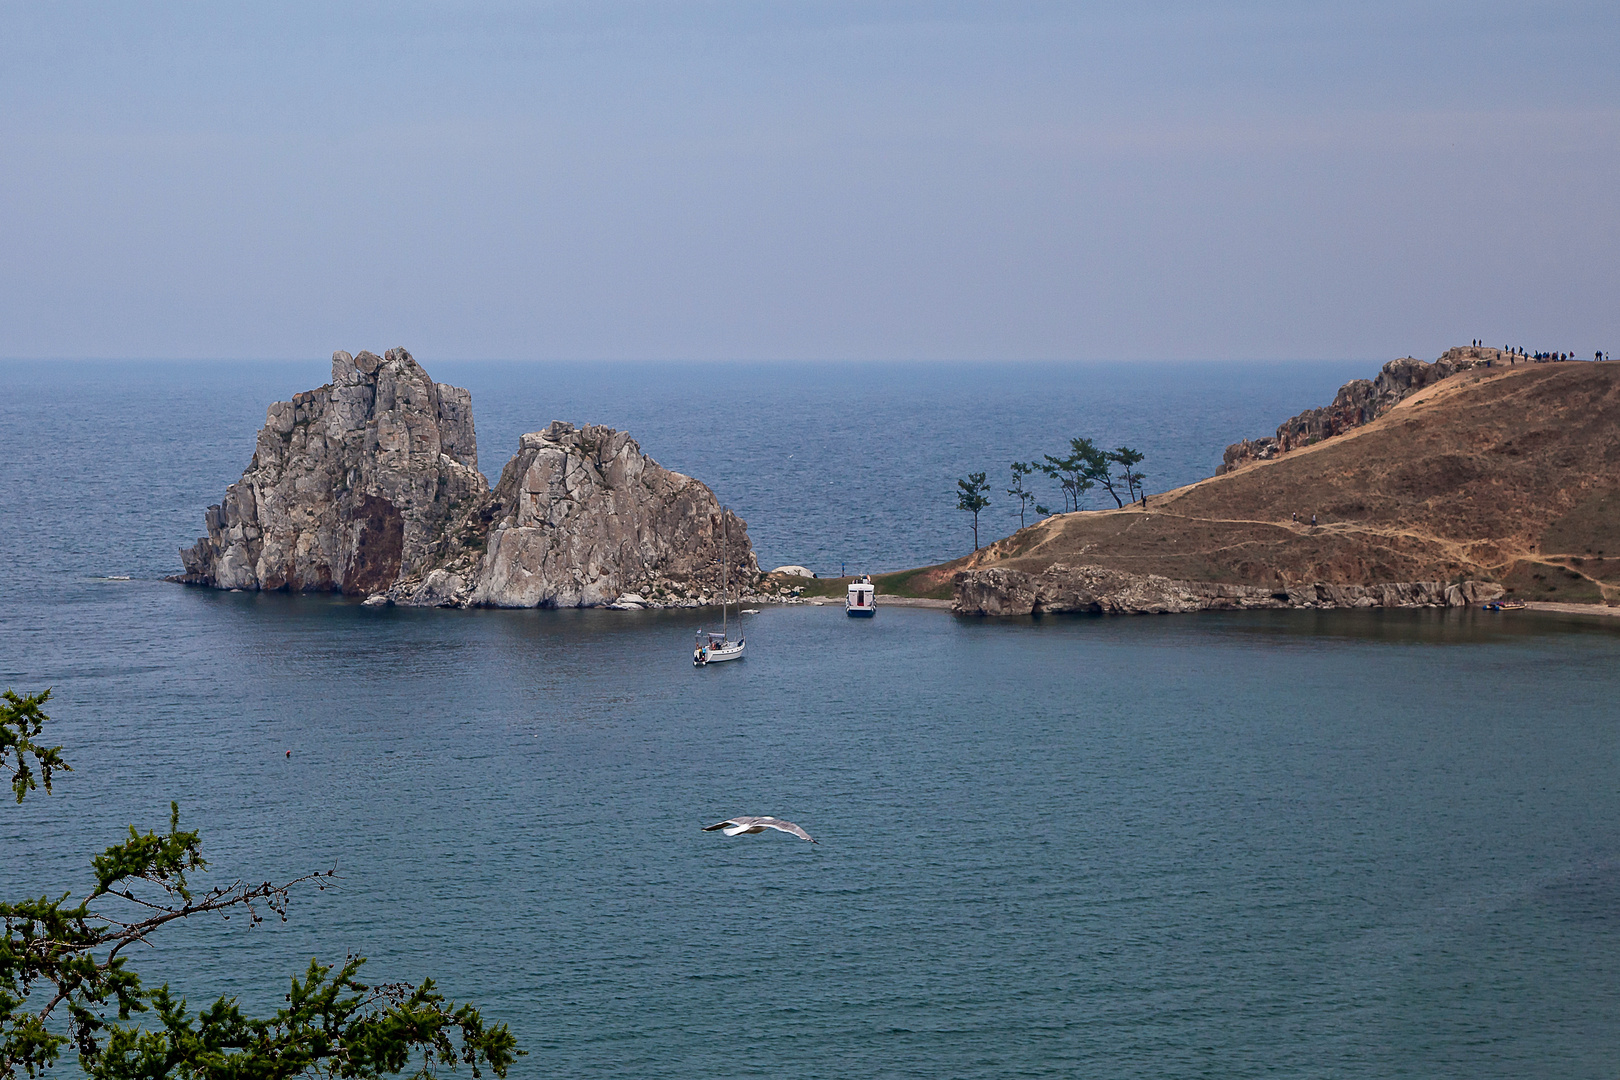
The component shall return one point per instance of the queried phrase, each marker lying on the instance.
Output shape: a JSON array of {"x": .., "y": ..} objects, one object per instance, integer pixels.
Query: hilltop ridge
[{"x": 1361, "y": 401}]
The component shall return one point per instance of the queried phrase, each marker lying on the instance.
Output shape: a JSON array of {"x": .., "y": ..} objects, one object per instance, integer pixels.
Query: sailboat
[{"x": 714, "y": 646}]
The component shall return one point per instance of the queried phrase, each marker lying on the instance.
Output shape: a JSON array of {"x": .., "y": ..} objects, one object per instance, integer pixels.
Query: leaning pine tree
[{"x": 65, "y": 979}]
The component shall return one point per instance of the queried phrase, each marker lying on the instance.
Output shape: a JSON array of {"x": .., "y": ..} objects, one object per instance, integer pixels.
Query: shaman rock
[
  {"x": 350, "y": 485},
  {"x": 581, "y": 518}
]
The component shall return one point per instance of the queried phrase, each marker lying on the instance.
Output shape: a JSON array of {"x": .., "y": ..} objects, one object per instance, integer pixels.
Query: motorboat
[{"x": 861, "y": 602}]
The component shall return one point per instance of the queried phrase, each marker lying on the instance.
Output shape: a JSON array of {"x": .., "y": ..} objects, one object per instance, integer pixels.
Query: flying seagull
[{"x": 738, "y": 825}]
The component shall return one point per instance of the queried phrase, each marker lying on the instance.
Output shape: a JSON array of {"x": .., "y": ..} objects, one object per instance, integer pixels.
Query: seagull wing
[
  {"x": 736, "y": 825},
  {"x": 788, "y": 827}
]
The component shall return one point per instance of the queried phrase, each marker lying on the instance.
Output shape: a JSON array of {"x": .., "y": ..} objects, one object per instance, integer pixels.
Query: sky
[{"x": 806, "y": 180}]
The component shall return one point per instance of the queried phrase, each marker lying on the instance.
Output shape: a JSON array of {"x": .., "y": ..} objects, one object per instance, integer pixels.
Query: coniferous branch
[
  {"x": 68, "y": 957},
  {"x": 1018, "y": 491},
  {"x": 21, "y": 719}
]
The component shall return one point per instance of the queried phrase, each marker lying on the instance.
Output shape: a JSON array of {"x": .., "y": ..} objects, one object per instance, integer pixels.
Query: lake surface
[{"x": 1224, "y": 845}]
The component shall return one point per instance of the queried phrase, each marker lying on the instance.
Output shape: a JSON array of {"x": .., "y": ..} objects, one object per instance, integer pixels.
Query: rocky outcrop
[
  {"x": 582, "y": 518},
  {"x": 1098, "y": 590},
  {"x": 370, "y": 486},
  {"x": 1360, "y": 401},
  {"x": 350, "y": 485}
]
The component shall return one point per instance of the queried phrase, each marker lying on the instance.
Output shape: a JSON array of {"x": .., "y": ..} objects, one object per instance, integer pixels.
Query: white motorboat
[
  {"x": 714, "y": 646},
  {"x": 861, "y": 603}
]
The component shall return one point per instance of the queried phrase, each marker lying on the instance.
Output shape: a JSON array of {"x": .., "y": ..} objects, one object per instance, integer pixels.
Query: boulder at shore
[{"x": 369, "y": 486}]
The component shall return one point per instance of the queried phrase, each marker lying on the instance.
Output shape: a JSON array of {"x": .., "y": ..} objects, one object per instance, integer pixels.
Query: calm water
[{"x": 1339, "y": 844}]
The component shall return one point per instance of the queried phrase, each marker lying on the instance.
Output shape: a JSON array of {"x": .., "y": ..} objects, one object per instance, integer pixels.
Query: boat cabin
[{"x": 862, "y": 598}]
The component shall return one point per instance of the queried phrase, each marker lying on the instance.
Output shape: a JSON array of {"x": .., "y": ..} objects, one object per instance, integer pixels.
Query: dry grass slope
[{"x": 1499, "y": 474}]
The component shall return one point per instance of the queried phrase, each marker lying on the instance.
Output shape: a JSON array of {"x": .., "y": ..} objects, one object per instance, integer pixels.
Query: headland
[{"x": 1443, "y": 484}]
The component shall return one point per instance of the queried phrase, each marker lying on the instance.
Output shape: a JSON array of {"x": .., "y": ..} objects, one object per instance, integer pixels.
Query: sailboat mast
[{"x": 725, "y": 569}]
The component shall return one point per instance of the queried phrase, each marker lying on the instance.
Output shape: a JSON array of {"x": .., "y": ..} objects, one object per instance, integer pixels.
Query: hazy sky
[{"x": 766, "y": 179}]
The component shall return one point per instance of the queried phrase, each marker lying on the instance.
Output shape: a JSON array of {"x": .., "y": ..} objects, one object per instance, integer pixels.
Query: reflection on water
[{"x": 1420, "y": 626}]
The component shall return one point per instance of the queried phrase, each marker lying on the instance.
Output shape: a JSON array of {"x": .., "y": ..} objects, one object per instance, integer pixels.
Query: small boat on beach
[
  {"x": 861, "y": 603},
  {"x": 1506, "y": 605}
]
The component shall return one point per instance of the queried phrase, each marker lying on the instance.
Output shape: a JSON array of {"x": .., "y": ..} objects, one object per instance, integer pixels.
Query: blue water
[{"x": 1309, "y": 844}]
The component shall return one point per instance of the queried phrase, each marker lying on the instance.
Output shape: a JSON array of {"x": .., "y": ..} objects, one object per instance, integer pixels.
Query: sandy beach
[{"x": 1573, "y": 609}]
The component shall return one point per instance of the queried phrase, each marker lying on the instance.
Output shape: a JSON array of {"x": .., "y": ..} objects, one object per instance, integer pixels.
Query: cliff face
[
  {"x": 369, "y": 486},
  {"x": 349, "y": 485},
  {"x": 1503, "y": 476}
]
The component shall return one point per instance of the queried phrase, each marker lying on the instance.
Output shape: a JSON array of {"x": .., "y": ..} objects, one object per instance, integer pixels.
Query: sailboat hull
[{"x": 731, "y": 650}]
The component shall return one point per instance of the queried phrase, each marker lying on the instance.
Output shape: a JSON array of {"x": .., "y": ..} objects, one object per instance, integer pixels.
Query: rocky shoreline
[
  {"x": 1098, "y": 590},
  {"x": 1477, "y": 476}
]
